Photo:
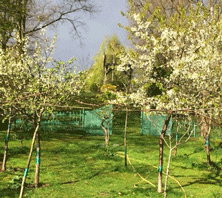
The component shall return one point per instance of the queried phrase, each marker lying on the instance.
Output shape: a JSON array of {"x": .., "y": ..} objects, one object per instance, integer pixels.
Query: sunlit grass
[{"x": 76, "y": 166}]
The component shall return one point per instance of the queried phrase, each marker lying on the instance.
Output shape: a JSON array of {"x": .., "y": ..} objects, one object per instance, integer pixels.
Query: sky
[{"x": 99, "y": 25}]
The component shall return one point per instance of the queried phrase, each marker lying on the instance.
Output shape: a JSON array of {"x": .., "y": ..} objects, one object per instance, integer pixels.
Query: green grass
[{"x": 76, "y": 166}]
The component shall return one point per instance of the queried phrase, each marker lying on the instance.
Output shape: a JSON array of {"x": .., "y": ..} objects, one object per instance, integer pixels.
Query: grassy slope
[{"x": 75, "y": 166}]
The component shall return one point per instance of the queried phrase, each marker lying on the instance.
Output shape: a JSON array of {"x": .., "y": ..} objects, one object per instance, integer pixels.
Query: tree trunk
[
  {"x": 6, "y": 146},
  {"x": 104, "y": 66},
  {"x": 106, "y": 133},
  {"x": 160, "y": 164},
  {"x": 37, "y": 169},
  {"x": 161, "y": 147},
  {"x": 206, "y": 132},
  {"x": 15, "y": 127},
  {"x": 175, "y": 149},
  {"x": 207, "y": 149},
  {"x": 204, "y": 127},
  {"x": 125, "y": 138},
  {"x": 29, "y": 159}
]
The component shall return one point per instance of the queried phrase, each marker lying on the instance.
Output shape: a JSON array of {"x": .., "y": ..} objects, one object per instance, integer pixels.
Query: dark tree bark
[{"x": 125, "y": 138}]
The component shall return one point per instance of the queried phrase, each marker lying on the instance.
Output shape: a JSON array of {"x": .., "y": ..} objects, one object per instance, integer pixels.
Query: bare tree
[{"x": 28, "y": 17}]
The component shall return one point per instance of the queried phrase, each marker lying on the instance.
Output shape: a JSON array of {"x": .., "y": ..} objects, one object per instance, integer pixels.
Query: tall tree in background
[
  {"x": 104, "y": 71},
  {"x": 28, "y": 17},
  {"x": 111, "y": 59},
  {"x": 8, "y": 19}
]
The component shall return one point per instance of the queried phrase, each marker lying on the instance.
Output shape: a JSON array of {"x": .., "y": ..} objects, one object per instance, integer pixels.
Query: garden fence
[{"x": 88, "y": 121}]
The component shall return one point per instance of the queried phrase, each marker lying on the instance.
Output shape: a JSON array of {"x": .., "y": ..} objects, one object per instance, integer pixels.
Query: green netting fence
[
  {"x": 194, "y": 127},
  {"x": 153, "y": 124},
  {"x": 190, "y": 126},
  {"x": 93, "y": 119},
  {"x": 88, "y": 121}
]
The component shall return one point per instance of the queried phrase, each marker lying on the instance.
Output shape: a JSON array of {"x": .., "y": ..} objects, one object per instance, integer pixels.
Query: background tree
[
  {"x": 104, "y": 70},
  {"x": 8, "y": 19},
  {"x": 28, "y": 17}
]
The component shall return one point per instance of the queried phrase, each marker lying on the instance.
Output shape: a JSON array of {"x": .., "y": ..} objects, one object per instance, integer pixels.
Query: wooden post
[
  {"x": 161, "y": 147},
  {"x": 207, "y": 148},
  {"x": 207, "y": 142},
  {"x": 125, "y": 138},
  {"x": 37, "y": 167},
  {"x": 6, "y": 145}
]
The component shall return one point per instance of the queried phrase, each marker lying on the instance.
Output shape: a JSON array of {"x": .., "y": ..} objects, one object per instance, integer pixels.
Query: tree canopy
[
  {"x": 183, "y": 60},
  {"x": 166, "y": 9}
]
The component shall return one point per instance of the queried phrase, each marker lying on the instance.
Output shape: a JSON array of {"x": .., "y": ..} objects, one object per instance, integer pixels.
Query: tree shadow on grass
[
  {"x": 9, "y": 192},
  {"x": 135, "y": 191},
  {"x": 48, "y": 135},
  {"x": 13, "y": 192},
  {"x": 18, "y": 150},
  {"x": 62, "y": 134},
  {"x": 1, "y": 155},
  {"x": 144, "y": 190},
  {"x": 143, "y": 140},
  {"x": 214, "y": 168},
  {"x": 207, "y": 179},
  {"x": 15, "y": 152},
  {"x": 88, "y": 177}
]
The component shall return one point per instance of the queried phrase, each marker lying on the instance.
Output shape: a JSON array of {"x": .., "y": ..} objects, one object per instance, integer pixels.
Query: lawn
[{"x": 74, "y": 165}]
